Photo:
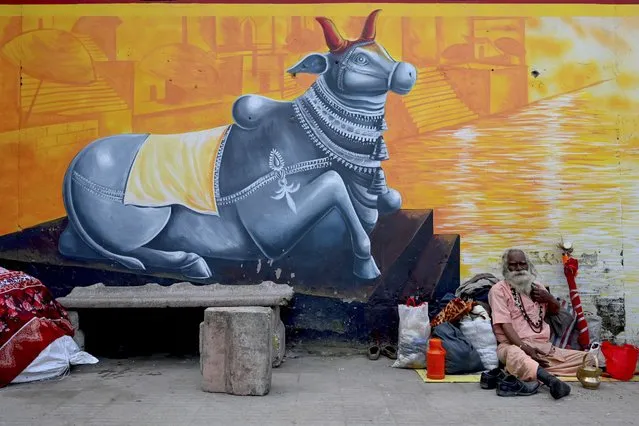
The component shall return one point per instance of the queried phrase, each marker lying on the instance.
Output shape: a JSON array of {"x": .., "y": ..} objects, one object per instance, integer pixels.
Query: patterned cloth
[
  {"x": 30, "y": 320},
  {"x": 453, "y": 312}
]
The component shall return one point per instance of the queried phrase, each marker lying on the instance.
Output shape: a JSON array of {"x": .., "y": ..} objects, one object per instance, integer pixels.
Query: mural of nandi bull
[{"x": 250, "y": 189}]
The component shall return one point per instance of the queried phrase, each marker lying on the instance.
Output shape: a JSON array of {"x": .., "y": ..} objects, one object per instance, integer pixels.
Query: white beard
[{"x": 521, "y": 281}]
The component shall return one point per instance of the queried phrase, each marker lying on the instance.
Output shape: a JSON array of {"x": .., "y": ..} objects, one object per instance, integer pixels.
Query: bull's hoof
[
  {"x": 366, "y": 268},
  {"x": 130, "y": 263},
  {"x": 197, "y": 270}
]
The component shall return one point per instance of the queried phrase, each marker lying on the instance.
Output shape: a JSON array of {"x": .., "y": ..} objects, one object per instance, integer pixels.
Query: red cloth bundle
[{"x": 30, "y": 320}]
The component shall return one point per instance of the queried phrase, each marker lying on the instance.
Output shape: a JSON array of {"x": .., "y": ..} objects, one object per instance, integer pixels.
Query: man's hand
[
  {"x": 514, "y": 339},
  {"x": 539, "y": 295},
  {"x": 534, "y": 354}
]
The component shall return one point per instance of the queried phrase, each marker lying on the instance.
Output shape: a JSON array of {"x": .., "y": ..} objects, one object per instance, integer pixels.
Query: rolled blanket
[{"x": 468, "y": 288}]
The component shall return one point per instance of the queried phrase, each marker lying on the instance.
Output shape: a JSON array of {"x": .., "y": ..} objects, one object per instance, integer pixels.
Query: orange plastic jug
[{"x": 435, "y": 360}]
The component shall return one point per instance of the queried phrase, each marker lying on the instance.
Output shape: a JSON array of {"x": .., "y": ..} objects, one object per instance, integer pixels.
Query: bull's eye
[{"x": 360, "y": 60}]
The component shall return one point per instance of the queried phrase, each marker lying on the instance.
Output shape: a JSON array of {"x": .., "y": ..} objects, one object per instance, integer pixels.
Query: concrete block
[
  {"x": 74, "y": 318},
  {"x": 236, "y": 350},
  {"x": 78, "y": 338},
  {"x": 279, "y": 338}
]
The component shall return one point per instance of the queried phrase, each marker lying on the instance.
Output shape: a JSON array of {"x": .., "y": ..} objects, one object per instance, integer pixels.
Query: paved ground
[{"x": 307, "y": 390}]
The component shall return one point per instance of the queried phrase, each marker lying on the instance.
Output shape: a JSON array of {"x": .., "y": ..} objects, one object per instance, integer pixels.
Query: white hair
[{"x": 504, "y": 262}]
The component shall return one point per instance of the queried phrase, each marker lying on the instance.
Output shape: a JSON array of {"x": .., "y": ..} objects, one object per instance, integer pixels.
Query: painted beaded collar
[
  {"x": 319, "y": 102},
  {"x": 337, "y": 121}
]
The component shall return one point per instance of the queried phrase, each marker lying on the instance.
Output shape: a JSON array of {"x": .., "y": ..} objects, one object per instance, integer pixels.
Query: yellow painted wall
[{"x": 505, "y": 156}]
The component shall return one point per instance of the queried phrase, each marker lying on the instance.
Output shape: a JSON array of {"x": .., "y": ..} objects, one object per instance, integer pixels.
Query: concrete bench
[{"x": 184, "y": 295}]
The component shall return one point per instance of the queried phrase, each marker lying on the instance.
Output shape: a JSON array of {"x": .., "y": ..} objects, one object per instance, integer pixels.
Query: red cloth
[
  {"x": 30, "y": 320},
  {"x": 571, "y": 268}
]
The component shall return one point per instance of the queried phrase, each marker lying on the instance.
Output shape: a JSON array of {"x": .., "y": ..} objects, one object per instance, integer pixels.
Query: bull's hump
[{"x": 251, "y": 111}]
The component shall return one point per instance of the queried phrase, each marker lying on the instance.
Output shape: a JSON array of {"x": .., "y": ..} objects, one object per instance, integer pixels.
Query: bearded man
[{"x": 519, "y": 307}]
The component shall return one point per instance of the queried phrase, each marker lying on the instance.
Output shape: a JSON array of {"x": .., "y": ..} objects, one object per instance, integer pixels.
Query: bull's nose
[{"x": 403, "y": 78}]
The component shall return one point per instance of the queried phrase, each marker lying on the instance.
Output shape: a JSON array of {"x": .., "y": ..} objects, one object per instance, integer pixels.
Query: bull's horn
[
  {"x": 368, "y": 33},
  {"x": 334, "y": 39}
]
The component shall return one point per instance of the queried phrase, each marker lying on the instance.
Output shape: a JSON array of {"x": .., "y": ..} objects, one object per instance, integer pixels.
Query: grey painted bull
[{"x": 276, "y": 174}]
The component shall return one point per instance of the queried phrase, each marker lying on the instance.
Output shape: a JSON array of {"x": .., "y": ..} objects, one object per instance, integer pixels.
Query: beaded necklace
[{"x": 537, "y": 326}]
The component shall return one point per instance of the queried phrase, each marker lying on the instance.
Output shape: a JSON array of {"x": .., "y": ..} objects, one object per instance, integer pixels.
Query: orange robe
[{"x": 562, "y": 362}]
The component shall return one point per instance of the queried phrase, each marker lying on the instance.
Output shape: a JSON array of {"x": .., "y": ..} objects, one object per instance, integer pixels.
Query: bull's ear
[{"x": 314, "y": 63}]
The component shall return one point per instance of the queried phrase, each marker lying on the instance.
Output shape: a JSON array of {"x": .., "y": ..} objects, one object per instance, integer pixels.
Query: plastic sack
[
  {"x": 595, "y": 350},
  {"x": 461, "y": 356},
  {"x": 414, "y": 332},
  {"x": 55, "y": 361},
  {"x": 478, "y": 329},
  {"x": 594, "y": 322}
]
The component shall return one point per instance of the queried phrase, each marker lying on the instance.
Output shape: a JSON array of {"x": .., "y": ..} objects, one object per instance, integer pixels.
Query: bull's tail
[{"x": 67, "y": 198}]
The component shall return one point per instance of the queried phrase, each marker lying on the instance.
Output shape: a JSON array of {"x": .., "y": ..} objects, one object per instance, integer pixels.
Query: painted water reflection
[{"x": 560, "y": 167}]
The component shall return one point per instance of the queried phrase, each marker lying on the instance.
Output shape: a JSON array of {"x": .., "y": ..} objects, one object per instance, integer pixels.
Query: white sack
[
  {"x": 54, "y": 361},
  {"x": 478, "y": 329},
  {"x": 414, "y": 332}
]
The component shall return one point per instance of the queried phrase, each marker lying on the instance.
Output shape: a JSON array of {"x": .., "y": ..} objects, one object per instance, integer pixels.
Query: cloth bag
[
  {"x": 478, "y": 329},
  {"x": 414, "y": 332},
  {"x": 461, "y": 356},
  {"x": 562, "y": 324}
]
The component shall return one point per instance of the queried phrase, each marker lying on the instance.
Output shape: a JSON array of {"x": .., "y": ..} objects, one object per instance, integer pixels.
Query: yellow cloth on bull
[{"x": 176, "y": 169}]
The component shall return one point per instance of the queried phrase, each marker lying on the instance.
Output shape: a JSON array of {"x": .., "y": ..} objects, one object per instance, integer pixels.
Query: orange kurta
[{"x": 561, "y": 362}]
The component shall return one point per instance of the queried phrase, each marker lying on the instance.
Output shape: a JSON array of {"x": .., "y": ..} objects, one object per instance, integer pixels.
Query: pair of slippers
[{"x": 389, "y": 351}]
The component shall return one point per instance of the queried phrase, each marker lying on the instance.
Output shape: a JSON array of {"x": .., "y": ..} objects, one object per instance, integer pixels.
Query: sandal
[
  {"x": 389, "y": 351},
  {"x": 373, "y": 352}
]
